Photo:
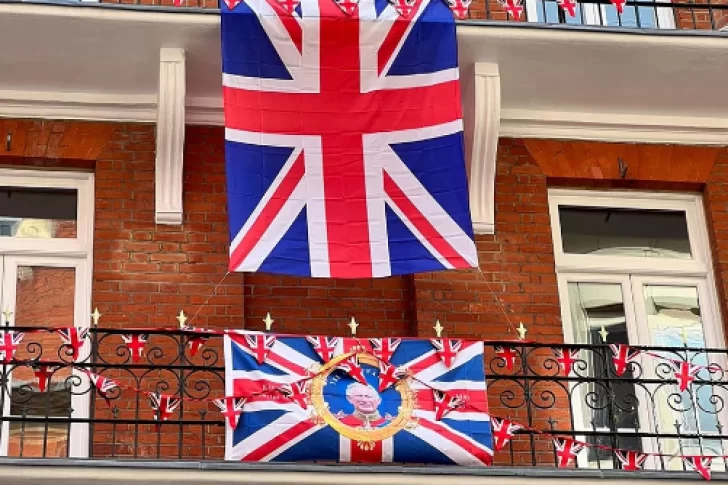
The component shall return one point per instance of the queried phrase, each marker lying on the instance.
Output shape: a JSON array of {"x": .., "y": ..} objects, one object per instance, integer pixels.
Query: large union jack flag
[
  {"x": 344, "y": 138},
  {"x": 300, "y": 408}
]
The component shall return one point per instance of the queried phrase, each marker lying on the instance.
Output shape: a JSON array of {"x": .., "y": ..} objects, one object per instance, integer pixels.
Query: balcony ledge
[
  {"x": 83, "y": 472},
  {"x": 101, "y": 62}
]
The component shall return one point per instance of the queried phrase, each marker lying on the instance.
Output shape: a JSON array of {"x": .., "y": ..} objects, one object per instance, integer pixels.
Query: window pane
[
  {"x": 674, "y": 318},
  {"x": 44, "y": 297},
  {"x": 38, "y": 213},
  {"x": 624, "y": 232},
  {"x": 597, "y": 308}
]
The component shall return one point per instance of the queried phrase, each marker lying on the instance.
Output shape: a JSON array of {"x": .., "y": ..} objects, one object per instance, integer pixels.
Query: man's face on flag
[{"x": 364, "y": 398}]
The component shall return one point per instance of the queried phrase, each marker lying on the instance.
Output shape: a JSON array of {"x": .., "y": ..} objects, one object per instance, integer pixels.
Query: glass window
[
  {"x": 624, "y": 232},
  {"x": 38, "y": 213},
  {"x": 596, "y": 308}
]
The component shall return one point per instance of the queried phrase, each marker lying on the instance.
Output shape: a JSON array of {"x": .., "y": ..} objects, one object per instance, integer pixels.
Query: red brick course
[{"x": 145, "y": 273}]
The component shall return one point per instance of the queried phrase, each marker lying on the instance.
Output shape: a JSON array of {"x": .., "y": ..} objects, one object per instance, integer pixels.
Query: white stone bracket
[
  {"x": 170, "y": 136},
  {"x": 485, "y": 123}
]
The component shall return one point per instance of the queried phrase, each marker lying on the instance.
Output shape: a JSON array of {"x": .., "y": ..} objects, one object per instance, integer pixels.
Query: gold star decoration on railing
[
  {"x": 95, "y": 316},
  {"x": 438, "y": 329},
  {"x": 268, "y": 321}
]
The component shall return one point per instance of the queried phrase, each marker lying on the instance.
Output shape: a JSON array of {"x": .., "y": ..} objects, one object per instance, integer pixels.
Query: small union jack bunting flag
[
  {"x": 566, "y": 359},
  {"x": 566, "y": 451},
  {"x": 404, "y": 7},
  {"x": 348, "y": 6},
  {"x": 507, "y": 354},
  {"x": 297, "y": 392},
  {"x": 260, "y": 345},
  {"x": 685, "y": 373},
  {"x": 9, "y": 342},
  {"x": 73, "y": 339},
  {"x": 135, "y": 343},
  {"x": 459, "y": 8},
  {"x": 513, "y": 7},
  {"x": 231, "y": 408},
  {"x": 325, "y": 347},
  {"x": 196, "y": 340},
  {"x": 43, "y": 375},
  {"x": 352, "y": 367},
  {"x": 383, "y": 348},
  {"x": 445, "y": 402},
  {"x": 289, "y": 6},
  {"x": 622, "y": 355},
  {"x": 447, "y": 349},
  {"x": 163, "y": 405},
  {"x": 503, "y": 432},
  {"x": 631, "y": 460},
  {"x": 700, "y": 464},
  {"x": 568, "y": 6},
  {"x": 103, "y": 385},
  {"x": 389, "y": 375},
  {"x": 619, "y": 5}
]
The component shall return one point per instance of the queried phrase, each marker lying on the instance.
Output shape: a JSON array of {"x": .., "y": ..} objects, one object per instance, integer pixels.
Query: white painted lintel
[
  {"x": 486, "y": 129},
  {"x": 170, "y": 136}
]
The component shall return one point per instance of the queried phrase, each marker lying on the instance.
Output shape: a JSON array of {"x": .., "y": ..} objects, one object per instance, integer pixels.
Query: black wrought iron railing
[{"x": 663, "y": 404}]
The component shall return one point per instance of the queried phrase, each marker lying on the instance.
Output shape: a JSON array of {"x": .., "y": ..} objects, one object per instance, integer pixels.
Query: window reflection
[
  {"x": 620, "y": 232},
  {"x": 597, "y": 308},
  {"x": 674, "y": 319}
]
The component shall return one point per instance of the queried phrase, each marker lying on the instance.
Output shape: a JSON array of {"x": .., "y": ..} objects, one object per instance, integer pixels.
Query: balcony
[{"x": 640, "y": 410}]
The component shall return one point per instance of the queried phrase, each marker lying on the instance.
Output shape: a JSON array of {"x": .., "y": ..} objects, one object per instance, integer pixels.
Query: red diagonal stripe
[
  {"x": 422, "y": 224},
  {"x": 260, "y": 453},
  {"x": 269, "y": 213},
  {"x": 484, "y": 456}
]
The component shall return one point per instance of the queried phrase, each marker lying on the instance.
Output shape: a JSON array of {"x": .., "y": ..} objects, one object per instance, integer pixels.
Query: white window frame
[
  {"x": 633, "y": 272},
  {"x": 665, "y": 18},
  {"x": 76, "y": 253}
]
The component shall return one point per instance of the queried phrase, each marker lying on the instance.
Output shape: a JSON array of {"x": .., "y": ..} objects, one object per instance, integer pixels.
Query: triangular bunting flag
[
  {"x": 507, "y": 354},
  {"x": 43, "y": 375},
  {"x": 73, "y": 339},
  {"x": 459, "y": 8},
  {"x": 260, "y": 345},
  {"x": 685, "y": 374},
  {"x": 389, "y": 375},
  {"x": 289, "y": 5},
  {"x": 231, "y": 4},
  {"x": 445, "y": 402},
  {"x": 349, "y": 7},
  {"x": 631, "y": 460},
  {"x": 9, "y": 342},
  {"x": 163, "y": 405},
  {"x": 135, "y": 342},
  {"x": 514, "y": 8},
  {"x": 566, "y": 451},
  {"x": 700, "y": 464},
  {"x": 231, "y": 408},
  {"x": 568, "y": 6},
  {"x": 383, "y": 348},
  {"x": 352, "y": 367},
  {"x": 404, "y": 7},
  {"x": 503, "y": 431},
  {"x": 297, "y": 392},
  {"x": 103, "y": 385},
  {"x": 325, "y": 347},
  {"x": 447, "y": 349},
  {"x": 622, "y": 355},
  {"x": 566, "y": 359},
  {"x": 196, "y": 339},
  {"x": 619, "y": 5}
]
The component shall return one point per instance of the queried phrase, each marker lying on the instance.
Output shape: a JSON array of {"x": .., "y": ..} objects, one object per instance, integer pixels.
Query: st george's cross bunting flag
[
  {"x": 344, "y": 138},
  {"x": 380, "y": 400}
]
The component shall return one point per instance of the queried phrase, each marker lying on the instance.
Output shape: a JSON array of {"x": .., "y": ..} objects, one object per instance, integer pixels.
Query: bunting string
[{"x": 233, "y": 406}]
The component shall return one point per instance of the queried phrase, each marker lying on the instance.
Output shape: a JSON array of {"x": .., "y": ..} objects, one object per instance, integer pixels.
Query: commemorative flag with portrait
[
  {"x": 336, "y": 399},
  {"x": 344, "y": 138}
]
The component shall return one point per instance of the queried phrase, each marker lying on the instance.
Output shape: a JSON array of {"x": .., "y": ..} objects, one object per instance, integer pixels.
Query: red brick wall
[{"x": 144, "y": 273}]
